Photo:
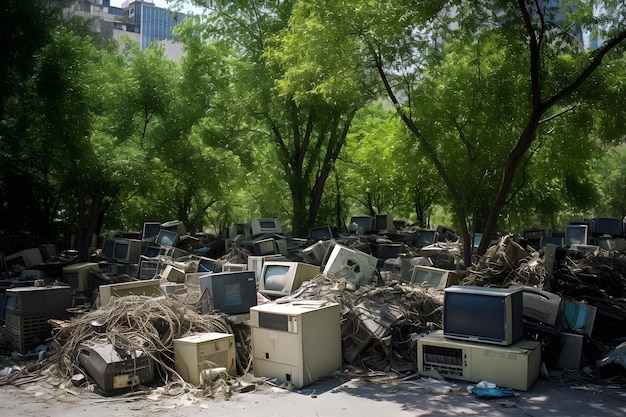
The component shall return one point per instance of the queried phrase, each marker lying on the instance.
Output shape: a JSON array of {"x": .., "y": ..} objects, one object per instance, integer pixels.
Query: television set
[
  {"x": 350, "y": 264},
  {"x": 315, "y": 253},
  {"x": 270, "y": 225},
  {"x": 576, "y": 234},
  {"x": 425, "y": 237},
  {"x": 445, "y": 234},
  {"x": 608, "y": 226},
  {"x": 431, "y": 277},
  {"x": 281, "y": 278},
  {"x": 175, "y": 226},
  {"x": 25, "y": 259},
  {"x": 207, "y": 265},
  {"x": 230, "y": 292},
  {"x": 264, "y": 247},
  {"x": 389, "y": 250},
  {"x": 540, "y": 305},
  {"x": 233, "y": 267},
  {"x": 170, "y": 273},
  {"x": 384, "y": 222},
  {"x": 364, "y": 224},
  {"x": 483, "y": 314},
  {"x": 122, "y": 250},
  {"x": 321, "y": 233},
  {"x": 77, "y": 275},
  {"x": 150, "y": 229},
  {"x": 167, "y": 237}
]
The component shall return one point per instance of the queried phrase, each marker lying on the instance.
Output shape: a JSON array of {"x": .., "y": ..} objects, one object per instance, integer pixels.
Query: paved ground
[{"x": 339, "y": 395}]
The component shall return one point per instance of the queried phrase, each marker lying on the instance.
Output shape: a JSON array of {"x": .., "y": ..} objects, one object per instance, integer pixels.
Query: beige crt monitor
[{"x": 197, "y": 352}]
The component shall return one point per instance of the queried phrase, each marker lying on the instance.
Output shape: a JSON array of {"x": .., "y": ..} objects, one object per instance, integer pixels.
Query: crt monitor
[
  {"x": 270, "y": 225},
  {"x": 167, "y": 237},
  {"x": 431, "y": 277},
  {"x": 122, "y": 250},
  {"x": 321, "y": 233},
  {"x": 364, "y": 223},
  {"x": 384, "y": 222},
  {"x": 264, "y": 247},
  {"x": 576, "y": 234},
  {"x": 483, "y": 314},
  {"x": 281, "y": 278},
  {"x": 150, "y": 229},
  {"x": 230, "y": 292},
  {"x": 425, "y": 237},
  {"x": 608, "y": 226},
  {"x": 350, "y": 264}
]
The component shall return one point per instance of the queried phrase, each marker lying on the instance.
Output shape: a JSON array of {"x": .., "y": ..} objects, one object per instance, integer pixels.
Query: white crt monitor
[
  {"x": 428, "y": 276},
  {"x": 260, "y": 226},
  {"x": 352, "y": 265},
  {"x": 281, "y": 278}
]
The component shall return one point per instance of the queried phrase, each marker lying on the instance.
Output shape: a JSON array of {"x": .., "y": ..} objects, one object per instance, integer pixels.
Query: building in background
[{"x": 140, "y": 20}]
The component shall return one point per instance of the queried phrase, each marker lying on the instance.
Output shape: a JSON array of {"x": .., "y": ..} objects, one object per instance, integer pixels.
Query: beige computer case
[
  {"x": 515, "y": 366},
  {"x": 195, "y": 353},
  {"x": 297, "y": 342}
]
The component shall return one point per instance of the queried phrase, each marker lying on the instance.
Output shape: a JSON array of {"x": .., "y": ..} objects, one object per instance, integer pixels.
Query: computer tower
[
  {"x": 516, "y": 366},
  {"x": 297, "y": 342},
  {"x": 195, "y": 353}
]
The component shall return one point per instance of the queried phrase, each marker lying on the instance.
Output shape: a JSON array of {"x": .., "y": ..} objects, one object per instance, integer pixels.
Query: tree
[
  {"x": 521, "y": 69},
  {"x": 306, "y": 129}
]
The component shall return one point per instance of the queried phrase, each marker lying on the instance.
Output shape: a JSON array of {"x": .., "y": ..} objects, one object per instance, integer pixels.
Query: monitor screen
[
  {"x": 150, "y": 229},
  {"x": 281, "y": 278},
  {"x": 489, "y": 315},
  {"x": 366, "y": 223},
  {"x": 107, "y": 248},
  {"x": 120, "y": 250},
  {"x": 384, "y": 222},
  {"x": 260, "y": 226},
  {"x": 425, "y": 238},
  {"x": 264, "y": 247},
  {"x": 206, "y": 265},
  {"x": 167, "y": 237},
  {"x": 230, "y": 292},
  {"x": 612, "y": 226},
  {"x": 575, "y": 234},
  {"x": 430, "y": 277},
  {"x": 321, "y": 233}
]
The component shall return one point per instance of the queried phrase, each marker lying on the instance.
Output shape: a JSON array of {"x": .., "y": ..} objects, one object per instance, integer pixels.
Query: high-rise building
[{"x": 141, "y": 20}]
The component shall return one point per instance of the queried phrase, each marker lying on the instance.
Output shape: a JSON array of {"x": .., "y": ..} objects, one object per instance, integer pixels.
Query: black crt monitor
[
  {"x": 230, "y": 292},
  {"x": 425, "y": 237},
  {"x": 150, "y": 229},
  {"x": 608, "y": 226},
  {"x": 365, "y": 223},
  {"x": 321, "y": 233},
  {"x": 167, "y": 237}
]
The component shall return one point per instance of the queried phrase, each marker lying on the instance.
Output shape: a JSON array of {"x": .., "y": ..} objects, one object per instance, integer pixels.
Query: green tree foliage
[{"x": 476, "y": 83}]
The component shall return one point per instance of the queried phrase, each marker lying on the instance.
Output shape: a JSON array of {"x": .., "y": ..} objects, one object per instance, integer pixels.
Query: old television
[
  {"x": 260, "y": 226},
  {"x": 481, "y": 314},
  {"x": 540, "y": 305},
  {"x": 425, "y": 237},
  {"x": 122, "y": 250},
  {"x": 389, "y": 250},
  {"x": 364, "y": 224},
  {"x": 77, "y": 275},
  {"x": 321, "y": 233},
  {"x": 315, "y": 253},
  {"x": 576, "y": 234},
  {"x": 230, "y": 292},
  {"x": 149, "y": 287},
  {"x": 25, "y": 259},
  {"x": 167, "y": 237},
  {"x": 175, "y": 226},
  {"x": 115, "y": 369},
  {"x": 150, "y": 229},
  {"x": 263, "y": 247},
  {"x": 281, "y": 278},
  {"x": 383, "y": 222},
  {"x": 431, "y": 277},
  {"x": 350, "y": 264},
  {"x": 608, "y": 226}
]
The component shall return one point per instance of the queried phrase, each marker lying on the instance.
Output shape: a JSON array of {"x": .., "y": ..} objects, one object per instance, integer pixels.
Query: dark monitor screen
[
  {"x": 150, "y": 229},
  {"x": 612, "y": 226},
  {"x": 120, "y": 250},
  {"x": 107, "y": 248},
  {"x": 152, "y": 251},
  {"x": 425, "y": 238},
  {"x": 321, "y": 233},
  {"x": 206, "y": 265},
  {"x": 365, "y": 222},
  {"x": 230, "y": 292}
]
